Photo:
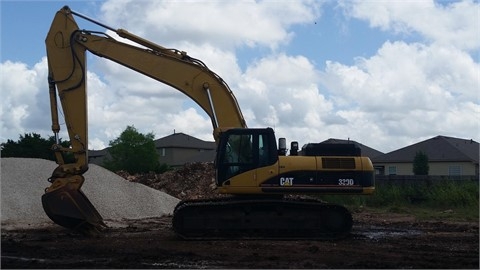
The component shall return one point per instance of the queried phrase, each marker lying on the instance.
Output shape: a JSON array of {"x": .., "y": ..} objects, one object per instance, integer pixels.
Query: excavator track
[{"x": 261, "y": 218}]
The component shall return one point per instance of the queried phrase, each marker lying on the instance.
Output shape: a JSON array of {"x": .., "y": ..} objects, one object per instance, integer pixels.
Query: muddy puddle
[{"x": 378, "y": 233}]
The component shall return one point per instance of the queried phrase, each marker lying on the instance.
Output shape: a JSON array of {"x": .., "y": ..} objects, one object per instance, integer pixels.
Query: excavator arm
[{"x": 66, "y": 45}]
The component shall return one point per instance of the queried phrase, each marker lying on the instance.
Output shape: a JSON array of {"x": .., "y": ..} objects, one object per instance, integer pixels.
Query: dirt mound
[{"x": 192, "y": 181}]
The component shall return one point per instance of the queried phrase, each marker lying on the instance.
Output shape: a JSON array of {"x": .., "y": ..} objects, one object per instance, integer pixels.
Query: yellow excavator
[{"x": 264, "y": 183}]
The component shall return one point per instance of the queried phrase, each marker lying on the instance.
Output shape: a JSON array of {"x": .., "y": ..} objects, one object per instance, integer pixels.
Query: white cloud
[
  {"x": 404, "y": 76},
  {"x": 282, "y": 89},
  {"x": 24, "y": 102},
  {"x": 225, "y": 23},
  {"x": 188, "y": 121},
  {"x": 446, "y": 23}
]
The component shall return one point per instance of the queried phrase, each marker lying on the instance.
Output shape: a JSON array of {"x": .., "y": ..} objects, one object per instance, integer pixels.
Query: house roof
[
  {"x": 366, "y": 151},
  {"x": 205, "y": 156},
  {"x": 182, "y": 140},
  {"x": 438, "y": 149},
  {"x": 97, "y": 153}
]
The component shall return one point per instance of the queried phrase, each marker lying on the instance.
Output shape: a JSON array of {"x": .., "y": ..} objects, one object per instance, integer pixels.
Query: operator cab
[{"x": 244, "y": 149}]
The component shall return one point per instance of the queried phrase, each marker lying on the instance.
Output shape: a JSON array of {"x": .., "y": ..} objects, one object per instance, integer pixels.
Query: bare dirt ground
[
  {"x": 380, "y": 241},
  {"x": 377, "y": 241}
]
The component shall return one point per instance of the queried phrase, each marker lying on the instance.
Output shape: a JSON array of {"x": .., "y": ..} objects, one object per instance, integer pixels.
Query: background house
[
  {"x": 174, "y": 150},
  {"x": 98, "y": 156},
  {"x": 179, "y": 148},
  {"x": 447, "y": 156}
]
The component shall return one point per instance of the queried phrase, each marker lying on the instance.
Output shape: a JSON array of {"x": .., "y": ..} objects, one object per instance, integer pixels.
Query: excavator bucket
[{"x": 68, "y": 206}]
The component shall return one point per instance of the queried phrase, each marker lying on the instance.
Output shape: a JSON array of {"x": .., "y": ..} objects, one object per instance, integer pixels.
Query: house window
[
  {"x": 454, "y": 170},
  {"x": 162, "y": 152},
  {"x": 392, "y": 170}
]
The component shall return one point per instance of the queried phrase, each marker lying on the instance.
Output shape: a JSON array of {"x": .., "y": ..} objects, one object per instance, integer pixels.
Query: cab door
[{"x": 241, "y": 152}]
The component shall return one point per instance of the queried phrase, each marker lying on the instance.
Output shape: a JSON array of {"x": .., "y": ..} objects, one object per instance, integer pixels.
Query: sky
[{"x": 386, "y": 74}]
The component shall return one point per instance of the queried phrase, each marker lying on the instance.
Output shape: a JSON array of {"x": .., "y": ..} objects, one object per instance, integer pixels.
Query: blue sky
[
  {"x": 378, "y": 72},
  {"x": 24, "y": 26},
  {"x": 318, "y": 40}
]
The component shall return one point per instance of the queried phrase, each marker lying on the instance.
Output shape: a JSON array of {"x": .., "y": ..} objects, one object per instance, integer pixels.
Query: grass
[{"x": 443, "y": 199}]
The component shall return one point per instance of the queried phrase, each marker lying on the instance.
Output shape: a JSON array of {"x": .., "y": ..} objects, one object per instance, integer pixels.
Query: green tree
[
  {"x": 133, "y": 152},
  {"x": 420, "y": 164},
  {"x": 31, "y": 145}
]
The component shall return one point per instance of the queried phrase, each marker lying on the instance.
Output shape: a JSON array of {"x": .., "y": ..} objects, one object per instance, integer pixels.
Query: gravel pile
[{"x": 23, "y": 181}]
